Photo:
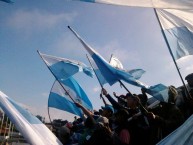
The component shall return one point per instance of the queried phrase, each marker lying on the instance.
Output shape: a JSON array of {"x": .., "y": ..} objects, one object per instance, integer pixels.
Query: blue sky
[{"x": 131, "y": 34}]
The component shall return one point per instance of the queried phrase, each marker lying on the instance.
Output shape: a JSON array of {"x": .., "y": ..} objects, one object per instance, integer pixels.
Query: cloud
[
  {"x": 40, "y": 20},
  {"x": 45, "y": 94}
]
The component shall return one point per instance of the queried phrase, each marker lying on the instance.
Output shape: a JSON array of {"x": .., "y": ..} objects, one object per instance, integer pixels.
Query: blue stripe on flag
[
  {"x": 64, "y": 70},
  {"x": 80, "y": 94},
  {"x": 160, "y": 92},
  {"x": 59, "y": 102},
  {"x": 180, "y": 40}
]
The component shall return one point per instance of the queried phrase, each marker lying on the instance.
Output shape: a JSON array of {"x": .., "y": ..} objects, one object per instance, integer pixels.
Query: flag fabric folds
[
  {"x": 111, "y": 74},
  {"x": 98, "y": 74},
  {"x": 159, "y": 91},
  {"x": 164, "y": 4},
  {"x": 183, "y": 135},
  {"x": 178, "y": 28},
  {"x": 32, "y": 129},
  {"x": 64, "y": 68},
  {"x": 59, "y": 99}
]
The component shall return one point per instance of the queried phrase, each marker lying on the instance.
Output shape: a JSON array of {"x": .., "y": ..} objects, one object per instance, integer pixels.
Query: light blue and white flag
[
  {"x": 32, "y": 129},
  {"x": 98, "y": 74},
  {"x": 64, "y": 68},
  {"x": 183, "y": 135},
  {"x": 159, "y": 91},
  {"x": 178, "y": 28},
  {"x": 111, "y": 74},
  {"x": 59, "y": 98},
  {"x": 163, "y": 4}
]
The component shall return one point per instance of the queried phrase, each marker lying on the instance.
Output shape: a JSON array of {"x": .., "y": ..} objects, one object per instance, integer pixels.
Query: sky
[{"x": 131, "y": 34}]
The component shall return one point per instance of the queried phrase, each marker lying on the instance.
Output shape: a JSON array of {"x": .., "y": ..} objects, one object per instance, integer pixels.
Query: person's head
[
  {"x": 191, "y": 93},
  {"x": 189, "y": 79},
  {"x": 64, "y": 134},
  {"x": 108, "y": 111},
  {"x": 89, "y": 122},
  {"x": 143, "y": 99},
  {"x": 121, "y": 116},
  {"x": 172, "y": 94},
  {"x": 132, "y": 101},
  {"x": 103, "y": 120}
]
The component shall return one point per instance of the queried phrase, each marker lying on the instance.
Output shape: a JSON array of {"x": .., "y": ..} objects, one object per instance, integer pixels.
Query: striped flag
[
  {"x": 32, "y": 129},
  {"x": 59, "y": 99}
]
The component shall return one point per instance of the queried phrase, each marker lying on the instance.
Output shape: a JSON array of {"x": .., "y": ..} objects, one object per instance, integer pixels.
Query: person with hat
[{"x": 166, "y": 118}]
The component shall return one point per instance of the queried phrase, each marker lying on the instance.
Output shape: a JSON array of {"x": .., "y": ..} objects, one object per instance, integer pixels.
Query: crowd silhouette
[{"x": 130, "y": 119}]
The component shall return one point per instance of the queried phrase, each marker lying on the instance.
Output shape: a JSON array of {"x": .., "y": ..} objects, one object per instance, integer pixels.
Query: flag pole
[
  {"x": 94, "y": 71},
  {"x": 57, "y": 80},
  {"x": 49, "y": 108},
  {"x": 167, "y": 43},
  {"x": 142, "y": 107}
]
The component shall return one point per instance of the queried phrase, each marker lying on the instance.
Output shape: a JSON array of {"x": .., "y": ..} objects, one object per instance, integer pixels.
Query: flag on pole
[
  {"x": 183, "y": 135},
  {"x": 64, "y": 68},
  {"x": 98, "y": 74},
  {"x": 59, "y": 99},
  {"x": 163, "y": 4},
  {"x": 159, "y": 91},
  {"x": 111, "y": 74},
  {"x": 178, "y": 28},
  {"x": 32, "y": 129}
]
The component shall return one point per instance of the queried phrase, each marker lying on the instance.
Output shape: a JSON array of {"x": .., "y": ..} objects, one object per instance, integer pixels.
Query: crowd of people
[{"x": 130, "y": 119}]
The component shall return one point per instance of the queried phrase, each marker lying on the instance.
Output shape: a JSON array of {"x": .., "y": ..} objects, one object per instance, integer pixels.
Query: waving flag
[
  {"x": 160, "y": 92},
  {"x": 170, "y": 4},
  {"x": 178, "y": 28},
  {"x": 64, "y": 68},
  {"x": 32, "y": 129},
  {"x": 60, "y": 100},
  {"x": 181, "y": 136},
  {"x": 98, "y": 74},
  {"x": 111, "y": 74}
]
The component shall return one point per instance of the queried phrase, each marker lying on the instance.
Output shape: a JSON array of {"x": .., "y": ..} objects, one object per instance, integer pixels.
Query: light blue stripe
[
  {"x": 62, "y": 103},
  {"x": 180, "y": 40},
  {"x": 160, "y": 92},
  {"x": 71, "y": 83},
  {"x": 64, "y": 70}
]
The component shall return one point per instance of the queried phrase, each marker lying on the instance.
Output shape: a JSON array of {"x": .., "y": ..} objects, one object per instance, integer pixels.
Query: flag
[
  {"x": 176, "y": 20},
  {"x": 63, "y": 68},
  {"x": 170, "y": 4},
  {"x": 32, "y": 129},
  {"x": 183, "y": 135},
  {"x": 159, "y": 91},
  {"x": 98, "y": 74},
  {"x": 111, "y": 74},
  {"x": 178, "y": 28},
  {"x": 59, "y": 98}
]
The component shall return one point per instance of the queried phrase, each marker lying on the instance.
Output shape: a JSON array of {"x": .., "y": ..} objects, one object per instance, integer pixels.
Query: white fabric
[{"x": 35, "y": 133}]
